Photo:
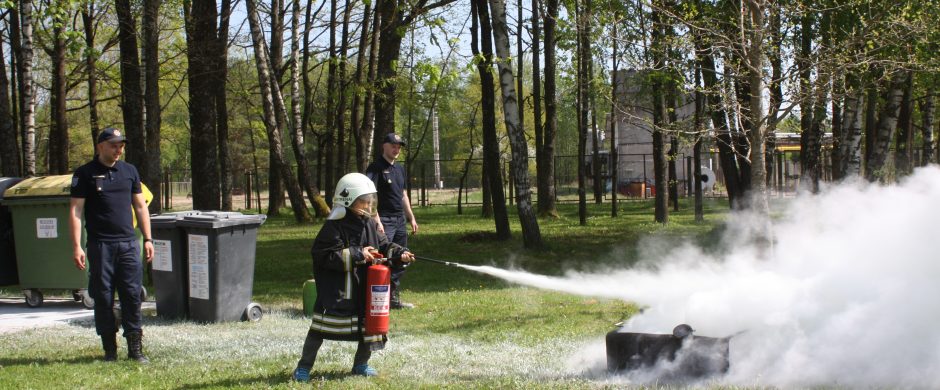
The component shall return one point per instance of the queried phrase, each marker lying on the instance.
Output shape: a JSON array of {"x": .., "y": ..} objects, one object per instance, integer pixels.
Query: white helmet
[{"x": 348, "y": 189}]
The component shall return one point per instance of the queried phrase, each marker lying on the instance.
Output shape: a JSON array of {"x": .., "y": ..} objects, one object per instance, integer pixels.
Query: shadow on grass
[
  {"x": 259, "y": 381},
  {"x": 272, "y": 379},
  {"x": 48, "y": 361}
]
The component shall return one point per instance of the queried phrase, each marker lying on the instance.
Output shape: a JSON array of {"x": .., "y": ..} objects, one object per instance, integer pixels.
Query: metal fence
[{"x": 461, "y": 180}]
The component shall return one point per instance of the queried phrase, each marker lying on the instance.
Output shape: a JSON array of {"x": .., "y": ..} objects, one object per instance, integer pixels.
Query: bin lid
[
  {"x": 40, "y": 186},
  {"x": 219, "y": 219},
  {"x": 7, "y": 182},
  {"x": 169, "y": 219}
]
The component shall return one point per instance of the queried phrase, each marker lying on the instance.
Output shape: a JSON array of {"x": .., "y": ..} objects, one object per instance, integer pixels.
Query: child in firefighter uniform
[{"x": 345, "y": 247}]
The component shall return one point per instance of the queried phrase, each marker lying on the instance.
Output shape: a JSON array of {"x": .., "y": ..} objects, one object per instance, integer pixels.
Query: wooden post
[
  {"x": 167, "y": 189},
  {"x": 424, "y": 186},
  {"x": 247, "y": 190}
]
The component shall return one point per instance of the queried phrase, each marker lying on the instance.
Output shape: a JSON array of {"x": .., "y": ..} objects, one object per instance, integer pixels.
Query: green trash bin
[
  {"x": 221, "y": 257},
  {"x": 8, "y": 273},
  {"x": 40, "y": 209},
  {"x": 169, "y": 272}
]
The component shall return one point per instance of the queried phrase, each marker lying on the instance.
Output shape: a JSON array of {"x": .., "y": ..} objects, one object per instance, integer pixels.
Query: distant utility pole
[{"x": 437, "y": 152}]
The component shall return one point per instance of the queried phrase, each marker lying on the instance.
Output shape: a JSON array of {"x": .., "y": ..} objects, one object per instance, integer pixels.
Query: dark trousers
[
  {"x": 312, "y": 346},
  {"x": 115, "y": 266},
  {"x": 397, "y": 231}
]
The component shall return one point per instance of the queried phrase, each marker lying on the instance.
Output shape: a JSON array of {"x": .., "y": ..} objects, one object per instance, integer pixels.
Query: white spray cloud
[{"x": 846, "y": 296}]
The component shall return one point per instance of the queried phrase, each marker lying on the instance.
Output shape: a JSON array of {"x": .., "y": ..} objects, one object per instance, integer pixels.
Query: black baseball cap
[
  {"x": 392, "y": 138},
  {"x": 112, "y": 135}
]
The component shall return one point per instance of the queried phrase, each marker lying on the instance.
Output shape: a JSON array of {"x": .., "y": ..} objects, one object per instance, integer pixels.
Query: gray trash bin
[
  {"x": 169, "y": 267},
  {"x": 221, "y": 257},
  {"x": 8, "y": 272}
]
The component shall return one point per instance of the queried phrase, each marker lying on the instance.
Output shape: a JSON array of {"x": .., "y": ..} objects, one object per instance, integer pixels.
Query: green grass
[{"x": 468, "y": 331}]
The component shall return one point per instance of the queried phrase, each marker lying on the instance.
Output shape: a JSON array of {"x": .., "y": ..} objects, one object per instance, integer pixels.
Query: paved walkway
[{"x": 16, "y": 316}]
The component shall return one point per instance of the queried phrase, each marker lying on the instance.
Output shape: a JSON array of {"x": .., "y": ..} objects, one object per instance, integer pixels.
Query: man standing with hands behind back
[
  {"x": 104, "y": 191},
  {"x": 394, "y": 206}
]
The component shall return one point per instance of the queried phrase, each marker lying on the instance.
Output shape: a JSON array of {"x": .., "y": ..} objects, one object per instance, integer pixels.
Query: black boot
[
  {"x": 135, "y": 348},
  {"x": 109, "y": 342},
  {"x": 397, "y": 303}
]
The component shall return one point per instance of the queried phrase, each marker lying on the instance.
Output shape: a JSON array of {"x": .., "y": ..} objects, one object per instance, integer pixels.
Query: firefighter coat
[{"x": 339, "y": 310}]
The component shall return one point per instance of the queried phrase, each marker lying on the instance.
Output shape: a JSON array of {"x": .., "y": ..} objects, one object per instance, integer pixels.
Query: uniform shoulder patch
[{"x": 74, "y": 181}]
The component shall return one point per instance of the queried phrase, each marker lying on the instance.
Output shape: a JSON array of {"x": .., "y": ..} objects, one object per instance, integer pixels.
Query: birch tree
[
  {"x": 9, "y": 150},
  {"x": 273, "y": 106},
  {"x": 27, "y": 98},
  {"x": 482, "y": 47},
  {"x": 531, "y": 236}
]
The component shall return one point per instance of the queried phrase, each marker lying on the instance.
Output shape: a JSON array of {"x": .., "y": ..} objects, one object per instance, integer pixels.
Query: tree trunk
[
  {"x": 810, "y": 137},
  {"x": 851, "y": 148},
  {"x": 390, "y": 39},
  {"x": 59, "y": 125},
  {"x": 546, "y": 170},
  {"x": 757, "y": 137},
  {"x": 927, "y": 109},
  {"x": 537, "y": 106},
  {"x": 394, "y": 23},
  {"x": 132, "y": 103},
  {"x": 273, "y": 109},
  {"x": 776, "y": 89},
  {"x": 276, "y": 49},
  {"x": 342, "y": 149},
  {"x": 871, "y": 116},
  {"x": 491, "y": 162},
  {"x": 276, "y": 182},
  {"x": 614, "y": 107},
  {"x": 356, "y": 117},
  {"x": 312, "y": 186},
  {"x": 697, "y": 147},
  {"x": 321, "y": 209},
  {"x": 330, "y": 116},
  {"x": 596, "y": 173},
  {"x": 838, "y": 138},
  {"x": 520, "y": 99},
  {"x": 151, "y": 41},
  {"x": 221, "y": 105},
  {"x": 582, "y": 86},
  {"x": 27, "y": 98},
  {"x": 9, "y": 151},
  {"x": 661, "y": 212},
  {"x": 203, "y": 59},
  {"x": 369, "y": 137},
  {"x": 884, "y": 130},
  {"x": 726, "y": 154},
  {"x": 905, "y": 133},
  {"x": 531, "y": 236},
  {"x": 91, "y": 72}
]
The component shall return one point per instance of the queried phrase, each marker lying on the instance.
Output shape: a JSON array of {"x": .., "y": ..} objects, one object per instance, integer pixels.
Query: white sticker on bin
[
  {"x": 162, "y": 255},
  {"x": 47, "y": 228},
  {"x": 199, "y": 266}
]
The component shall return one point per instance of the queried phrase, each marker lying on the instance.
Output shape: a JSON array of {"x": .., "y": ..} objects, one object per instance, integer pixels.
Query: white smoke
[{"x": 846, "y": 296}]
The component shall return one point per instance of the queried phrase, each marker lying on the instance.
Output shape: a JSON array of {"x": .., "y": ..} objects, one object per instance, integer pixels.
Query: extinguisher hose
[{"x": 450, "y": 263}]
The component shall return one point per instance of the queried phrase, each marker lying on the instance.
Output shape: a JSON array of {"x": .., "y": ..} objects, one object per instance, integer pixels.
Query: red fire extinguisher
[{"x": 378, "y": 298}]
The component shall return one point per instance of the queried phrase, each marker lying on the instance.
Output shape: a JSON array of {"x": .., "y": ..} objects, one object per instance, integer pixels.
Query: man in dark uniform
[
  {"x": 394, "y": 206},
  {"x": 104, "y": 191}
]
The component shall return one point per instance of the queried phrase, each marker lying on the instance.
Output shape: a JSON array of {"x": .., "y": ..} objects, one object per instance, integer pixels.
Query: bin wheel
[
  {"x": 77, "y": 295},
  {"x": 87, "y": 300},
  {"x": 253, "y": 312},
  {"x": 143, "y": 294},
  {"x": 33, "y": 297}
]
